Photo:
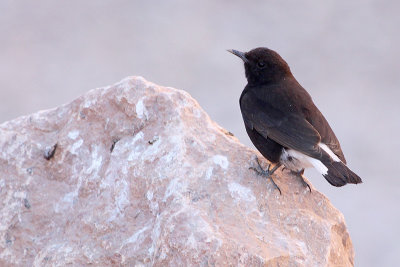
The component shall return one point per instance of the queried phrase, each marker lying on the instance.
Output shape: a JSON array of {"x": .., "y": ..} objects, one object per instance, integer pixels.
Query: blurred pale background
[{"x": 345, "y": 53}]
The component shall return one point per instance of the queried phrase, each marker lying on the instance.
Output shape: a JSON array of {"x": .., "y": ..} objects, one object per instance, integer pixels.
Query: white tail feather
[
  {"x": 329, "y": 151},
  {"x": 318, "y": 165}
]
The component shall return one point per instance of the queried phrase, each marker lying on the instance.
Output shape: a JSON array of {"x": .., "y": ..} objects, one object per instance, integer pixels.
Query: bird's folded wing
[{"x": 288, "y": 129}]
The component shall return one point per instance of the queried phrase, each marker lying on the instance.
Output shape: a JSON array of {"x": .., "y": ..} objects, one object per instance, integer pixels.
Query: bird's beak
[{"x": 239, "y": 54}]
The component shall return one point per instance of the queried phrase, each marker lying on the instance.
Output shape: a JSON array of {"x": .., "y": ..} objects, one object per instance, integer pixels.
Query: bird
[{"x": 285, "y": 125}]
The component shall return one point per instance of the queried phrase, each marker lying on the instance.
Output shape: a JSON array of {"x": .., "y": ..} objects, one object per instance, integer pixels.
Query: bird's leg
[
  {"x": 267, "y": 173},
  {"x": 300, "y": 174}
]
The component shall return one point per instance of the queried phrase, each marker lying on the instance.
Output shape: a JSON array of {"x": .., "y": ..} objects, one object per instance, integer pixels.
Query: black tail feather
[{"x": 339, "y": 174}]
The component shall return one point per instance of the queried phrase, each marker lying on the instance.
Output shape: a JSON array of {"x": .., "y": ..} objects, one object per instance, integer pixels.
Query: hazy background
[{"x": 345, "y": 53}]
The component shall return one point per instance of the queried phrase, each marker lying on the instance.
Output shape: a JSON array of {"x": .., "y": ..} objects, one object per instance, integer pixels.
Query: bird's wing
[
  {"x": 289, "y": 130},
  {"x": 328, "y": 137}
]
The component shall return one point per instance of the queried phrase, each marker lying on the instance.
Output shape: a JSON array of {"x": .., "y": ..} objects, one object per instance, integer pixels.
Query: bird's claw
[
  {"x": 306, "y": 184},
  {"x": 267, "y": 173},
  {"x": 300, "y": 174}
]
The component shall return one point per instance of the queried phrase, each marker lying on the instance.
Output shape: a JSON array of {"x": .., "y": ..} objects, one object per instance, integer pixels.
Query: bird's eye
[{"x": 261, "y": 64}]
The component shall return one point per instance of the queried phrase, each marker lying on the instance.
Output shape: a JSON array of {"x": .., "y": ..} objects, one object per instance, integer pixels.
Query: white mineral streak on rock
[
  {"x": 209, "y": 172},
  {"x": 134, "y": 238},
  {"x": 136, "y": 150},
  {"x": 149, "y": 195},
  {"x": 240, "y": 192},
  {"x": 175, "y": 187},
  {"x": 141, "y": 110},
  {"x": 75, "y": 146},
  {"x": 73, "y": 134},
  {"x": 142, "y": 177},
  {"x": 222, "y": 161},
  {"x": 96, "y": 161}
]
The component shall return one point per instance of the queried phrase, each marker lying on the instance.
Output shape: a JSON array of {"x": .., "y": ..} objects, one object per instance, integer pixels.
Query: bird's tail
[{"x": 338, "y": 174}]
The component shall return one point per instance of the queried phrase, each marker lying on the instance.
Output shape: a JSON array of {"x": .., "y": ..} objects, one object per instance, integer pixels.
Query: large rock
[{"x": 140, "y": 175}]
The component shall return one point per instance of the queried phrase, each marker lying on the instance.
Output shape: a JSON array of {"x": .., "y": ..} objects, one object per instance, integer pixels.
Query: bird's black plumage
[{"x": 282, "y": 120}]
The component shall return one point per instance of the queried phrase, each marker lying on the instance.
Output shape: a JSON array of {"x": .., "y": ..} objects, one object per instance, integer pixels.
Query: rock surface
[{"x": 137, "y": 174}]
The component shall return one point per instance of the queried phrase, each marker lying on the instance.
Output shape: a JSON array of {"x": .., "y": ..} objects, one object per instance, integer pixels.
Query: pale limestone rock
[{"x": 141, "y": 176}]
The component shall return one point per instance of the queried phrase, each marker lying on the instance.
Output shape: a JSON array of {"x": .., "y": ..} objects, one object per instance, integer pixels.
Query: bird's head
[{"x": 263, "y": 65}]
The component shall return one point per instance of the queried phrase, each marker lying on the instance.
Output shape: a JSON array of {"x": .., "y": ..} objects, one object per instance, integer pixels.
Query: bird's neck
[{"x": 271, "y": 80}]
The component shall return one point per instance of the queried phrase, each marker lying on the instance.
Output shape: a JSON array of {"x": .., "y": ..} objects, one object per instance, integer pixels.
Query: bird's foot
[
  {"x": 300, "y": 174},
  {"x": 267, "y": 173}
]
